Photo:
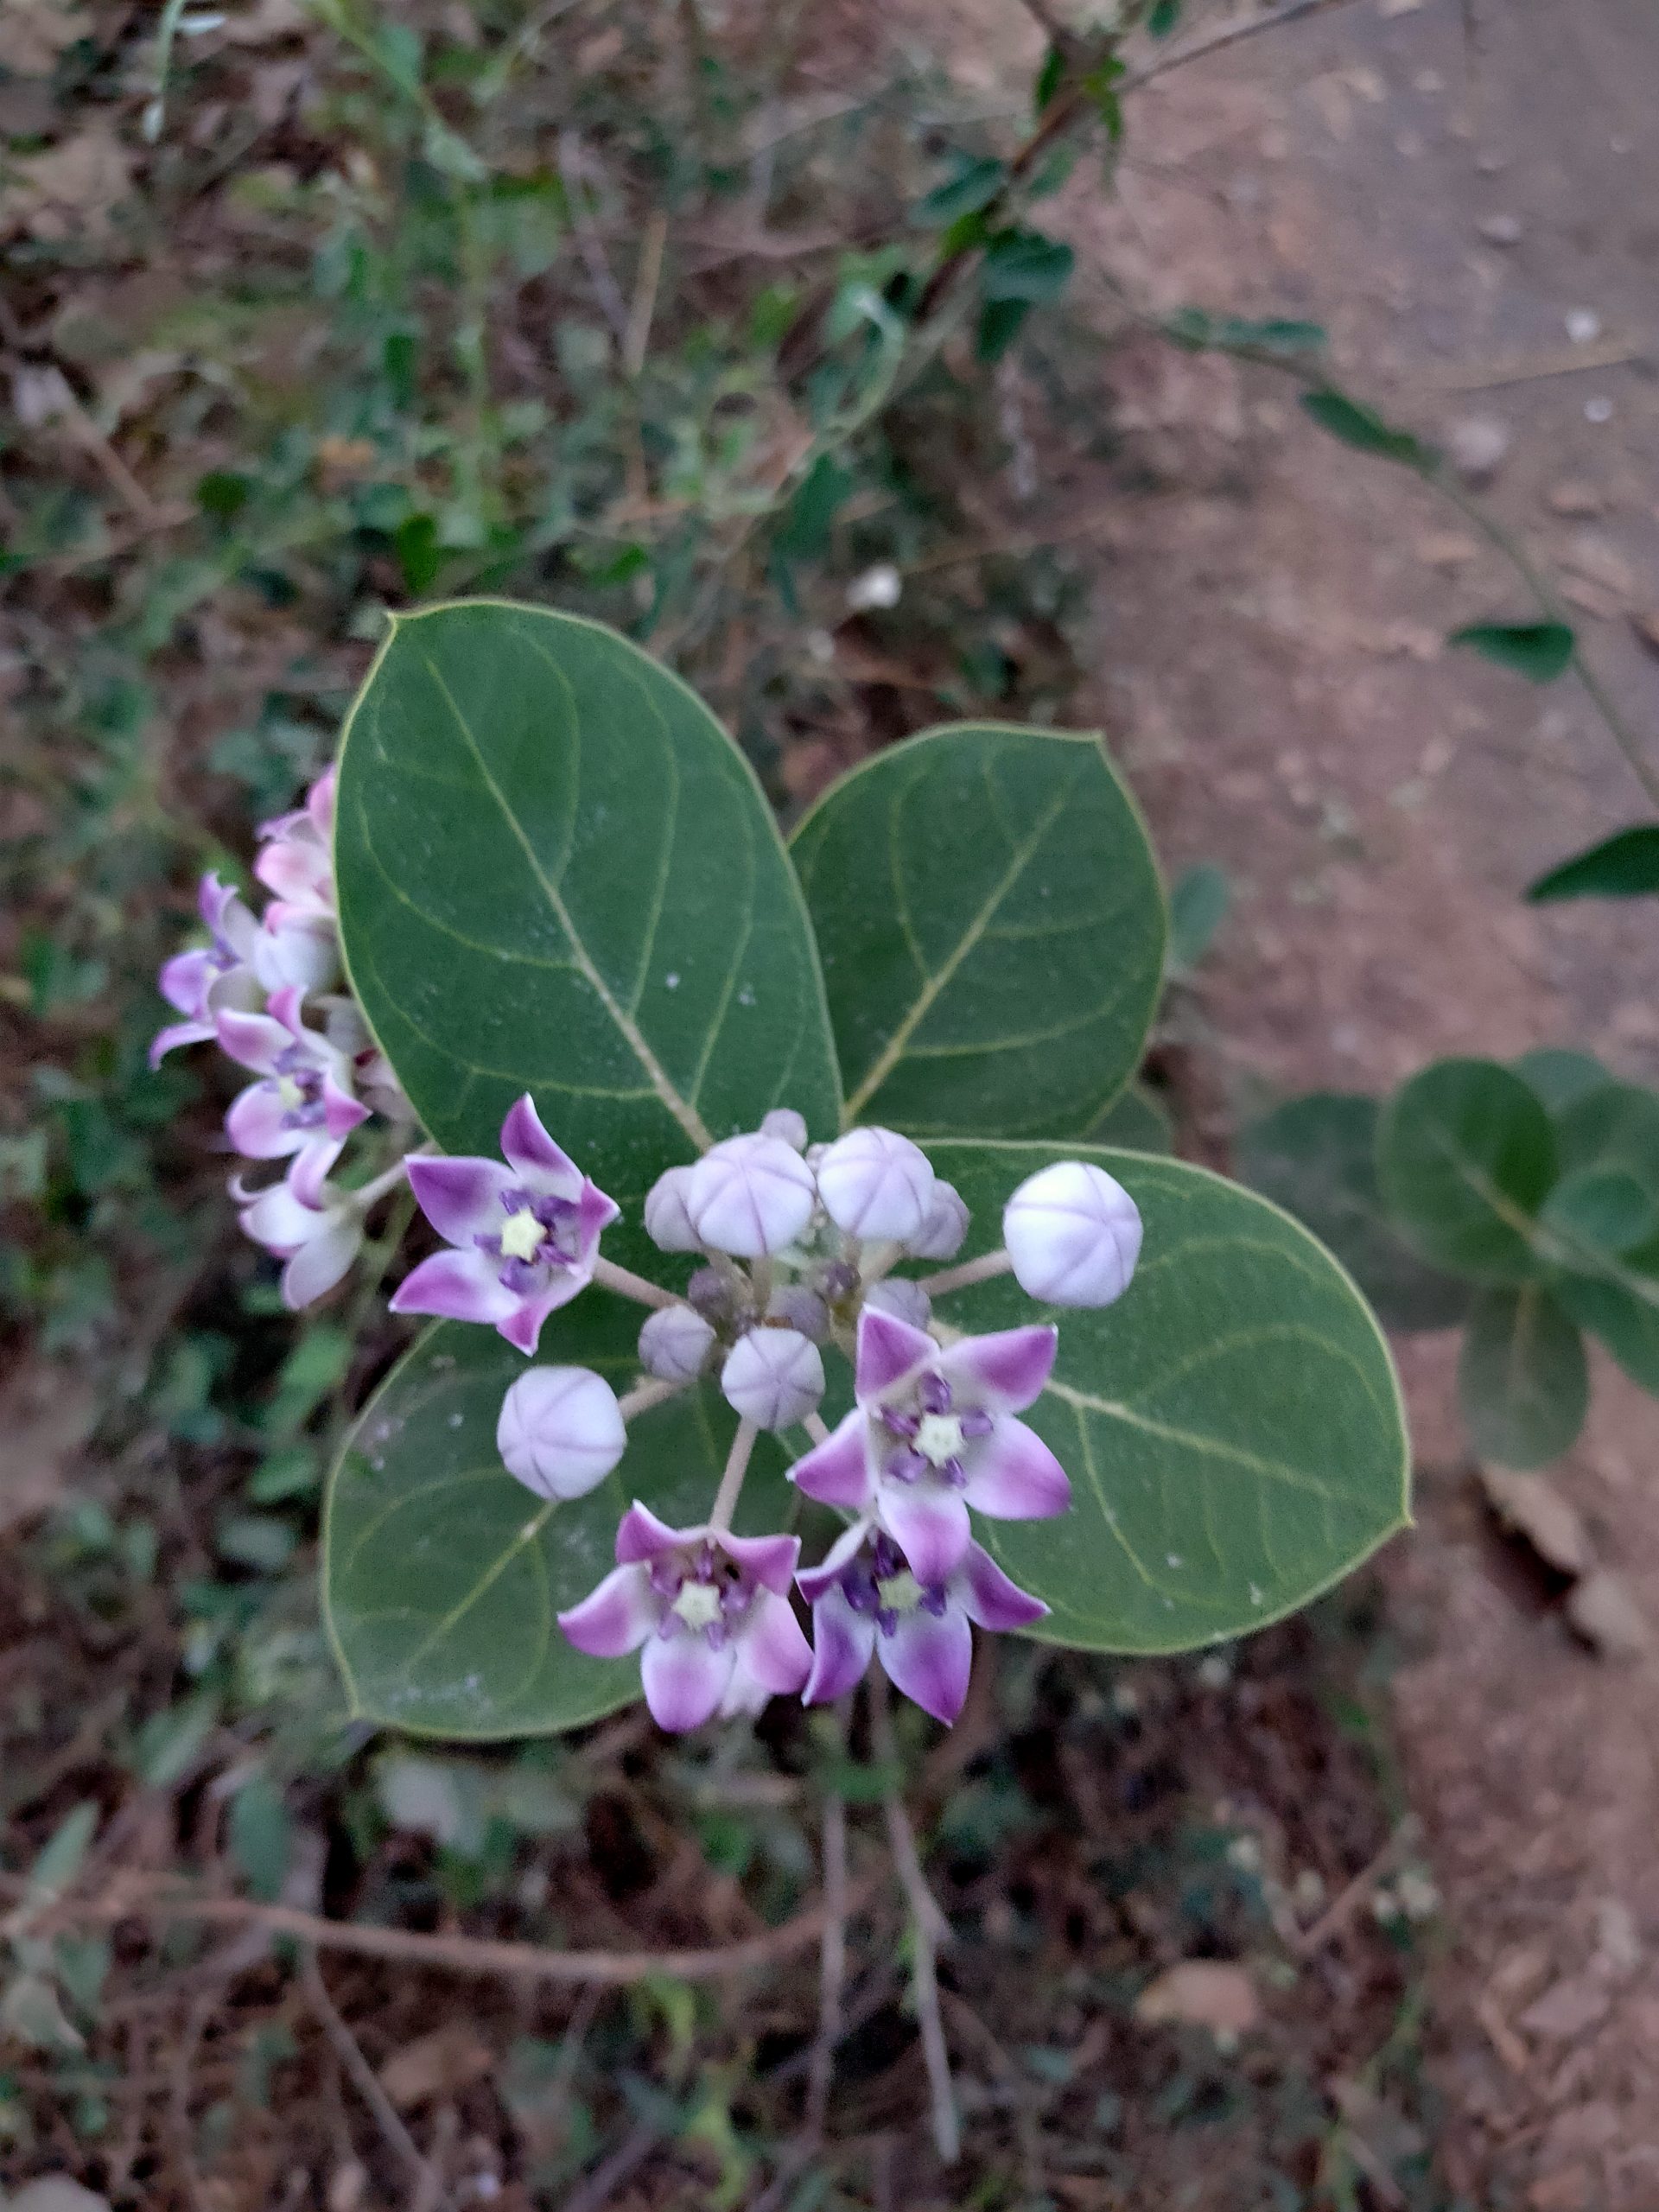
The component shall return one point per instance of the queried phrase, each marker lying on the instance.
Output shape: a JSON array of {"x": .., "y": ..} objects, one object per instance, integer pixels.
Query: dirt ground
[{"x": 1444, "y": 189}]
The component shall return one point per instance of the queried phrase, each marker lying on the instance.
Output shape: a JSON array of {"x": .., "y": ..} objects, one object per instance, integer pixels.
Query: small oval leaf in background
[
  {"x": 1539, "y": 651},
  {"x": 558, "y": 874},
  {"x": 1465, "y": 1154},
  {"x": 1623, "y": 866},
  {"x": 1365, "y": 429},
  {"x": 1316, "y": 1157},
  {"x": 1198, "y": 900},
  {"x": 1232, "y": 1426},
  {"x": 1523, "y": 1381},
  {"x": 442, "y": 1575},
  {"x": 992, "y": 927},
  {"x": 1559, "y": 1076}
]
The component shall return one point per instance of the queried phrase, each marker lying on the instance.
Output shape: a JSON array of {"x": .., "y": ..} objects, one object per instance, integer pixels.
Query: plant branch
[
  {"x": 349, "y": 2052},
  {"x": 626, "y": 1284},
  {"x": 832, "y": 1966},
  {"x": 984, "y": 1269},
  {"x": 1224, "y": 34},
  {"x": 929, "y": 1929},
  {"x": 644, "y": 1395},
  {"x": 731, "y": 1482}
]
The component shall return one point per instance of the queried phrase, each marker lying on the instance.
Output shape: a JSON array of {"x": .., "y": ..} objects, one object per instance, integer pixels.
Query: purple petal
[
  {"x": 321, "y": 1262},
  {"x": 286, "y": 1005},
  {"x": 773, "y": 1645},
  {"x": 641, "y": 1535},
  {"x": 594, "y": 1212},
  {"x": 280, "y": 1220},
  {"x": 683, "y": 1680},
  {"x": 837, "y": 1471},
  {"x": 297, "y": 872},
  {"x": 213, "y": 897},
  {"x": 614, "y": 1617},
  {"x": 928, "y": 1659},
  {"x": 888, "y": 1350},
  {"x": 929, "y": 1524},
  {"x": 184, "y": 979},
  {"x": 1013, "y": 1476},
  {"x": 257, "y": 1124},
  {"x": 459, "y": 1286},
  {"x": 770, "y": 1560},
  {"x": 842, "y": 1644},
  {"x": 813, "y": 1581},
  {"x": 987, "y": 1596},
  {"x": 1006, "y": 1371},
  {"x": 176, "y": 1033},
  {"x": 523, "y": 1327},
  {"x": 310, "y": 1166},
  {"x": 462, "y": 1199},
  {"x": 531, "y": 1150},
  {"x": 341, "y": 1112},
  {"x": 319, "y": 806},
  {"x": 253, "y": 1040}
]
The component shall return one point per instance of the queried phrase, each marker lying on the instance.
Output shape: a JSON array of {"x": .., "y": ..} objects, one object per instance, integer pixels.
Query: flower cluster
[
  {"x": 795, "y": 1246},
  {"x": 265, "y": 989}
]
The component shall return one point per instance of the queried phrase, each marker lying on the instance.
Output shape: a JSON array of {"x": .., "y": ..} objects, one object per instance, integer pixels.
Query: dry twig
[
  {"x": 929, "y": 1929},
  {"x": 427, "y": 2185}
]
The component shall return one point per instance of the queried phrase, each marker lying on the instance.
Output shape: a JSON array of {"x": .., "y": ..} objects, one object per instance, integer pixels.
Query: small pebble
[
  {"x": 1599, "y": 409},
  {"x": 1477, "y": 445},
  {"x": 1584, "y": 326},
  {"x": 1501, "y": 230}
]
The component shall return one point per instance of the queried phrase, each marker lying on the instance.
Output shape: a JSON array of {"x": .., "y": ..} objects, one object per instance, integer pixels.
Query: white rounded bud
[
  {"x": 749, "y": 1196},
  {"x": 905, "y": 1301},
  {"x": 787, "y": 1126},
  {"x": 667, "y": 1223},
  {"x": 774, "y": 1377},
  {"x": 875, "y": 1183},
  {"x": 560, "y": 1431},
  {"x": 940, "y": 1235},
  {"x": 675, "y": 1345},
  {"x": 1073, "y": 1233}
]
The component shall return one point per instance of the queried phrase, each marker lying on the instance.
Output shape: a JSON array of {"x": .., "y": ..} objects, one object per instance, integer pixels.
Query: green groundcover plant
[{"x": 775, "y": 1283}]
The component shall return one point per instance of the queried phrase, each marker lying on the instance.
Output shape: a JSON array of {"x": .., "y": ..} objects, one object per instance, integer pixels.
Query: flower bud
[
  {"x": 667, "y": 1223},
  {"x": 787, "y": 1126},
  {"x": 750, "y": 1195},
  {"x": 711, "y": 1293},
  {"x": 940, "y": 1235},
  {"x": 798, "y": 1307},
  {"x": 906, "y": 1301},
  {"x": 876, "y": 1183},
  {"x": 774, "y": 1377},
  {"x": 560, "y": 1431},
  {"x": 675, "y": 1345},
  {"x": 1073, "y": 1234}
]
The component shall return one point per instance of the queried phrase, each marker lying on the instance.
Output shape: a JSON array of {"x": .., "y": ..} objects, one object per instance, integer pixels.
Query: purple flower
[
  {"x": 712, "y": 1611},
  {"x": 213, "y": 978},
  {"x": 526, "y": 1236},
  {"x": 297, "y": 862},
  {"x": 318, "y": 1230},
  {"x": 303, "y": 1102},
  {"x": 933, "y": 1432},
  {"x": 866, "y": 1599}
]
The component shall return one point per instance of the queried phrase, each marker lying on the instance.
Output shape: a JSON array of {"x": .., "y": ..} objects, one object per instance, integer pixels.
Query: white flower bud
[
  {"x": 667, "y": 1223},
  {"x": 1073, "y": 1233},
  {"x": 774, "y": 1377},
  {"x": 906, "y": 1301},
  {"x": 940, "y": 1235},
  {"x": 876, "y": 1183},
  {"x": 560, "y": 1431},
  {"x": 798, "y": 1307},
  {"x": 675, "y": 1345},
  {"x": 787, "y": 1126},
  {"x": 750, "y": 1195}
]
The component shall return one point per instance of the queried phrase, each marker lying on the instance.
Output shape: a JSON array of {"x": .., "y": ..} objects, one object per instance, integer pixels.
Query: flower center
[
  {"x": 698, "y": 1604},
  {"x": 938, "y": 1437},
  {"x": 290, "y": 1093},
  {"x": 522, "y": 1236},
  {"x": 899, "y": 1593}
]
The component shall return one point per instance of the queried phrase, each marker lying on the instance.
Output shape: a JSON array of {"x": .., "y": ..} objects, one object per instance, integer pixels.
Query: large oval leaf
[
  {"x": 1232, "y": 1426},
  {"x": 558, "y": 874},
  {"x": 1466, "y": 1156},
  {"x": 992, "y": 927},
  {"x": 1523, "y": 1381},
  {"x": 442, "y": 1575}
]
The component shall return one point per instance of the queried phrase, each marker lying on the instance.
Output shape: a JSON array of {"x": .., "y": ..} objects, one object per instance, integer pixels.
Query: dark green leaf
[
  {"x": 999, "y": 324},
  {"x": 974, "y": 186},
  {"x": 1539, "y": 651},
  {"x": 1199, "y": 900},
  {"x": 1560, "y": 1076},
  {"x": 1465, "y": 1155},
  {"x": 1316, "y": 1156},
  {"x": 1162, "y": 17},
  {"x": 1202, "y": 332},
  {"x": 1522, "y": 1382},
  {"x": 1232, "y": 1426},
  {"x": 1615, "y": 1125},
  {"x": 1024, "y": 266},
  {"x": 1607, "y": 1208},
  {"x": 558, "y": 874},
  {"x": 1365, "y": 429},
  {"x": 262, "y": 1837},
  {"x": 1048, "y": 79},
  {"x": 1136, "y": 1121},
  {"x": 441, "y": 1574},
  {"x": 1620, "y": 1308},
  {"x": 417, "y": 540},
  {"x": 992, "y": 929},
  {"x": 1623, "y": 866}
]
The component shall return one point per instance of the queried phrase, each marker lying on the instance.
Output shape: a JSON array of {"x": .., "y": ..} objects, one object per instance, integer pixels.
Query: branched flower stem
[
  {"x": 626, "y": 1284},
  {"x": 731, "y": 1483},
  {"x": 644, "y": 1395},
  {"x": 984, "y": 1269}
]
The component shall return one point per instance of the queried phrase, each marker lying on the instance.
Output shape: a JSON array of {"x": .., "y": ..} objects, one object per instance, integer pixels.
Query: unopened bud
[
  {"x": 787, "y": 1126},
  {"x": 560, "y": 1431},
  {"x": 940, "y": 1235},
  {"x": 797, "y": 1307},
  {"x": 749, "y": 1196},
  {"x": 905, "y": 1301},
  {"x": 675, "y": 1345},
  {"x": 667, "y": 1223},
  {"x": 774, "y": 1377},
  {"x": 1073, "y": 1234},
  {"x": 876, "y": 1183}
]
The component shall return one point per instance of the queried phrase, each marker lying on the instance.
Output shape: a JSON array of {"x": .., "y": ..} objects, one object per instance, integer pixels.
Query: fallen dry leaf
[
  {"x": 1201, "y": 1993},
  {"x": 46, "y": 1416},
  {"x": 34, "y": 33},
  {"x": 1567, "y": 2010},
  {"x": 70, "y": 191},
  {"x": 440, "y": 2064},
  {"x": 1578, "y": 501},
  {"x": 1599, "y": 561},
  {"x": 1607, "y": 1617},
  {"x": 1530, "y": 1509}
]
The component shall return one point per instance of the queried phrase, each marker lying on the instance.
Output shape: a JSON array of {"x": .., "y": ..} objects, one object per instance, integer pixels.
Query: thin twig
[
  {"x": 1341, "y": 1909},
  {"x": 589, "y": 244},
  {"x": 644, "y": 293},
  {"x": 602, "y": 2185},
  {"x": 929, "y": 1928},
  {"x": 832, "y": 1967},
  {"x": 1223, "y": 34},
  {"x": 367, "y": 2083}
]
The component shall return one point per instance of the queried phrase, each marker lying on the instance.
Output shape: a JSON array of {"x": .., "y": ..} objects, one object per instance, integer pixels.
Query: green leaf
[
  {"x": 261, "y": 1836},
  {"x": 1201, "y": 331},
  {"x": 1620, "y": 1309},
  {"x": 1559, "y": 1076},
  {"x": 1614, "y": 1126},
  {"x": 1162, "y": 17},
  {"x": 1049, "y": 79},
  {"x": 1539, "y": 651},
  {"x": 1623, "y": 866},
  {"x": 1316, "y": 1157},
  {"x": 558, "y": 874},
  {"x": 415, "y": 539},
  {"x": 1465, "y": 1155},
  {"x": 1198, "y": 900},
  {"x": 1607, "y": 1208},
  {"x": 1523, "y": 1381},
  {"x": 999, "y": 324},
  {"x": 1025, "y": 266},
  {"x": 442, "y": 1575},
  {"x": 992, "y": 927},
  {"x": 1232, "y": 1426},
  {"x": 1366, "y": 430},
  {"x": 1136, "y": 1121},
  {"x": 974, "y": 186}
]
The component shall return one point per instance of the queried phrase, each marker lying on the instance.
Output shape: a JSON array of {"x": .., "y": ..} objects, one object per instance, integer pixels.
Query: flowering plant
[{"x": 780, "y": 1281}]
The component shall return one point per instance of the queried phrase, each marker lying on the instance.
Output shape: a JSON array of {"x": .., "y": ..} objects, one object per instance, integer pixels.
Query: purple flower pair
[
  {"x": 242, "y": 959},
  {"x": 302, "y": 1103}
]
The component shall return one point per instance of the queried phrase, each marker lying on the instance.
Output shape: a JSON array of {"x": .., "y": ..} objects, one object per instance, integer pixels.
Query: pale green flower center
[
  {"x": 522, "y": 1236},
  {"x": 939, "y": 1438},
  {"x": 899, "y": 1593},
  {"x": 698, "y": 1605},
  {"x": 289, "y": 1092}
]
